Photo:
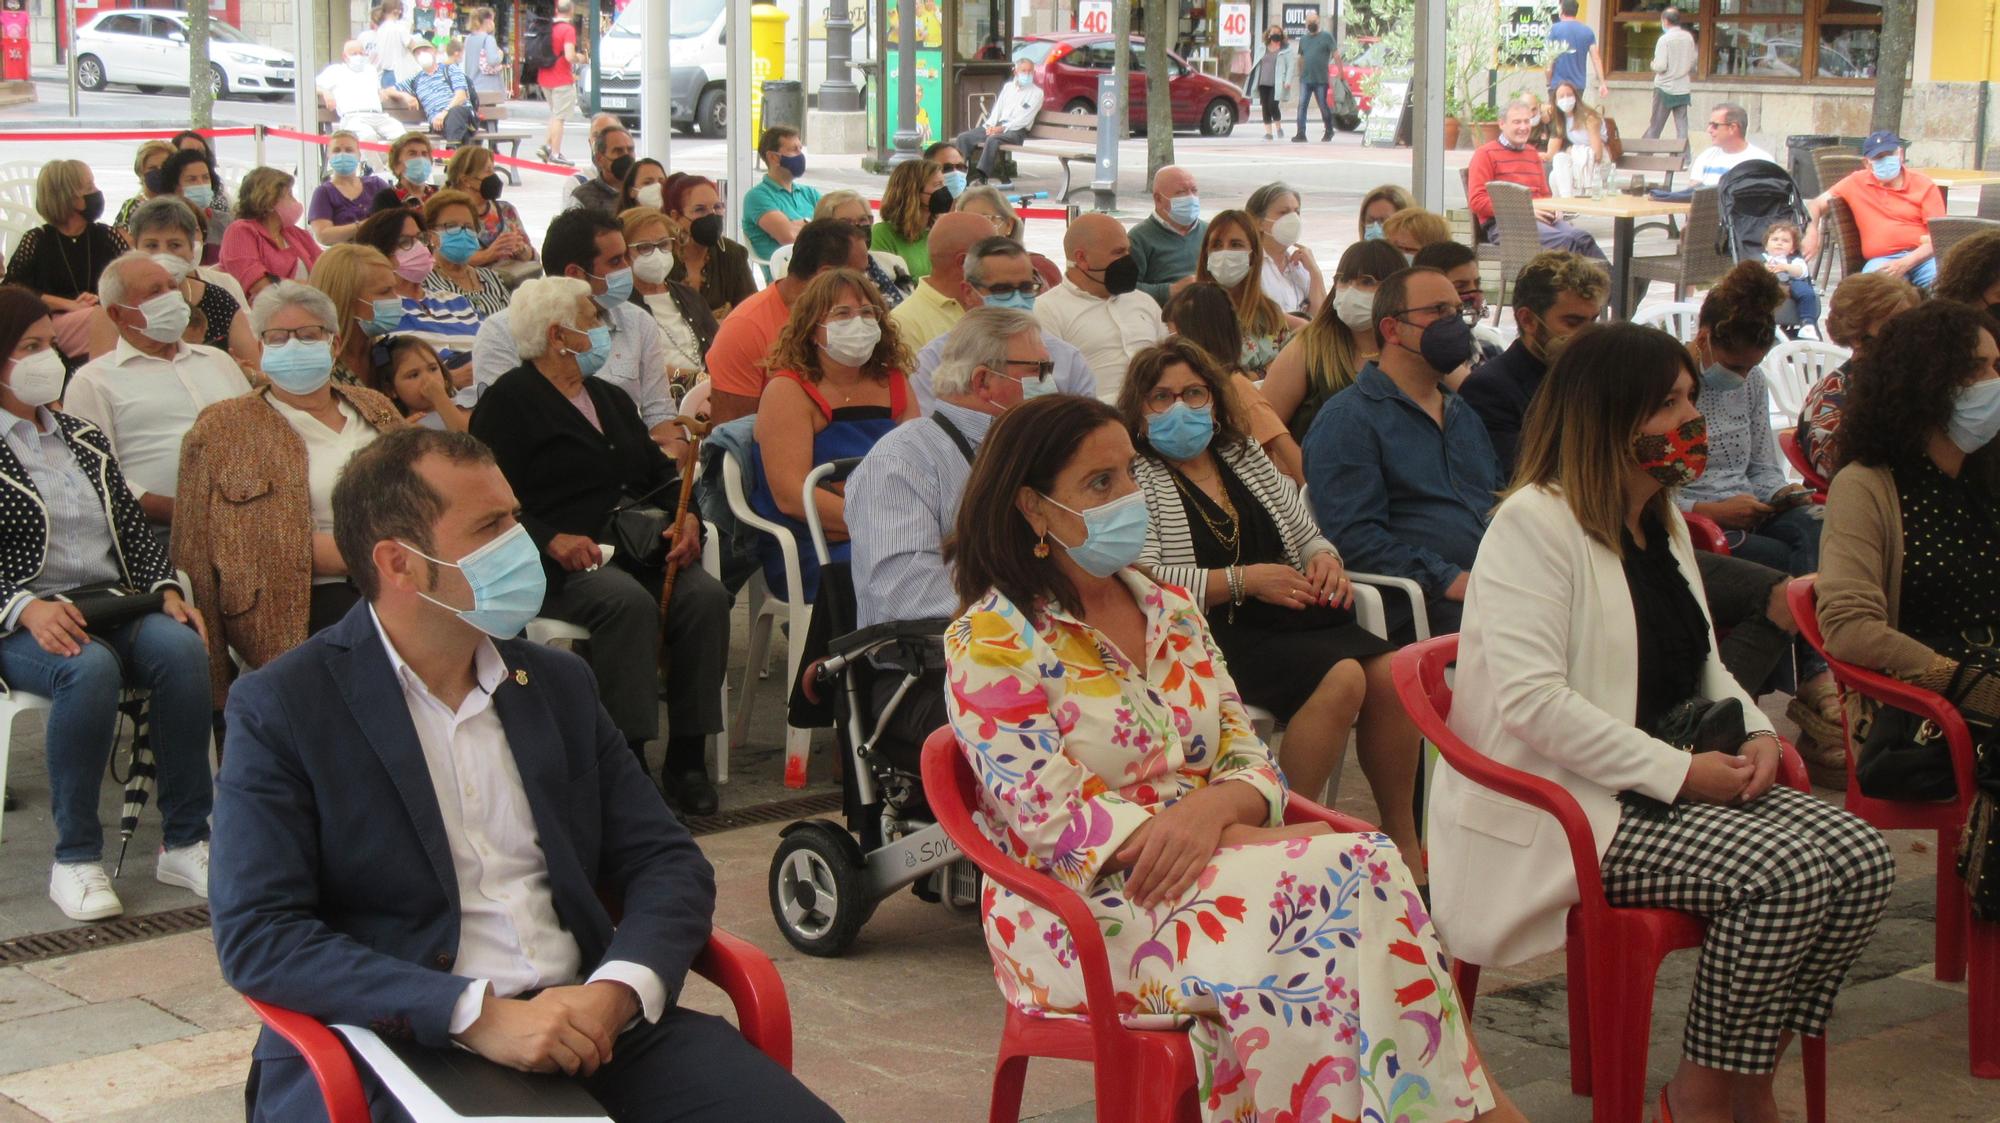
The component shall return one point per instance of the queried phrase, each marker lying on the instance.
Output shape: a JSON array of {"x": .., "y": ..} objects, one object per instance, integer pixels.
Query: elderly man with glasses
[
  {"x": 999, "y": 273},
  {"x": 1728, "y": 145}
]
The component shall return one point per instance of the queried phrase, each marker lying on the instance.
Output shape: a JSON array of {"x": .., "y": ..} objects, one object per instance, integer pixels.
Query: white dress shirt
[
  {"x": 1109, "y": 331},
  {"x": 327, "y": 452},
  {"x": 1015, "y": 108},
  {"x": 638, "y": 362},
  {"x": 146, "y": 405},
  {"x": 509, "y": 937},
  {"x": 1287, "y": 286}
]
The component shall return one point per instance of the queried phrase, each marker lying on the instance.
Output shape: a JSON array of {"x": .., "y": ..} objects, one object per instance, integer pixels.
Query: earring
[{"x": 1042, "y": 548}]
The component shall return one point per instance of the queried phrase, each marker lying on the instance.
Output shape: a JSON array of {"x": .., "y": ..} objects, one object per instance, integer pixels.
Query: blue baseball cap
[{"x": 1881, "y": 142}]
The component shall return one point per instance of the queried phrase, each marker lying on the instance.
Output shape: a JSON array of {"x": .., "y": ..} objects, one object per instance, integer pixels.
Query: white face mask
[
  {"x": 177, "y": 267},
  {"x": 1287, "y": 229},
  {"x": 651, "y": 195},
  {"x": 1356, "y": 308},
  {"x": 1229, "y": 267},
  {"x": 1566, "y": 104},
  {"x": 166, "y": 316},
  {"x": 653, "y": 268},
  {"x": 852, "y": 342},
  {"x": 37, "y": 379},
  {"x": 357, "y": 63}
]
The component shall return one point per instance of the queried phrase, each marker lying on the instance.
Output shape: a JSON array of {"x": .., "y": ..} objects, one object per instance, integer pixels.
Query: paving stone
[
  {"x": 23, "y": 996},
  {"x": 136, "y": 1080},
  {"x": 83, "y": 1031},
  {"x": 209, "y": 1004},
  {"x": 11, "y": 1112},
  {"x": 127, "y": 970},
  {"x": 206, "y": 1107}
]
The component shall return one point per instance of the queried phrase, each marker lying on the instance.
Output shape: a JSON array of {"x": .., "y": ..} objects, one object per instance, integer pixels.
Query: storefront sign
[
  {"x": 1293, "y": 16},
  {"x": 1524, "y": 33},
  {"x": 1235, "y": 25},
  {"x": 1387, "y": 125}
]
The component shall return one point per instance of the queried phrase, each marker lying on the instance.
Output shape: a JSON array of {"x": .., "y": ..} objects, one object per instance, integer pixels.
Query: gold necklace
[{"x": 1227, "y": 531}]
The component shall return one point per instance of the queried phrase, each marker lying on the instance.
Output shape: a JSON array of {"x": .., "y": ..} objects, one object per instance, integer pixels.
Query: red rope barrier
[{"x": 126, "y": 134}]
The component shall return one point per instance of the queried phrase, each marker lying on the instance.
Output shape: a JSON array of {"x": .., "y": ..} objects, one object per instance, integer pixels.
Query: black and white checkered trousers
[{"x": 1792, "y": 889}]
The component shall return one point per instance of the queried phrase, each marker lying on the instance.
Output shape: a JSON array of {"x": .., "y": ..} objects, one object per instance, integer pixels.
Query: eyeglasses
[
  {"x": 999, "y": 221},
  {"x": 647, "y": 249},
  {"x": 840, "y": 313},
  {"x": 1714, "y": 125},
  {"x": 952, "y": 167},
  {"x": 1162, "y": 399},
  {"x": 1043, "y": 367},
  {"x": 864, "y": 223},
  {"x": 1439, "y": 311},
  {"x": 406, "y": 242},
  {"x": 278, "y": 337},
  {"x": 1025, "y": 288},
  {"x": 444, "y": 228}
]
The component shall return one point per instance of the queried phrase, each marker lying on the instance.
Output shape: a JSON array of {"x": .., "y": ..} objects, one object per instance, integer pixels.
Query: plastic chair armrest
[
  {"x": 1299, "y": 809},
  {"x": 751, "y": 980},
  {"x": 1419, "y": 611},
  {"x": 325, "y": 1055}
]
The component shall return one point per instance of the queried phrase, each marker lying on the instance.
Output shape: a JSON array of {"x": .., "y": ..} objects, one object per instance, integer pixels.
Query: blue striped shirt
[
  {"x": 433, "y": 89},
  {"x": 902, "y": 502},
  {"x": 80, "y": 545}
]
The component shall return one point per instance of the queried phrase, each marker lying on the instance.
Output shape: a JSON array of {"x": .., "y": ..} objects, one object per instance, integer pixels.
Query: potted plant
[
  {"x": 1485, "y": 124},
  {"x": 1453, "y": 123}
]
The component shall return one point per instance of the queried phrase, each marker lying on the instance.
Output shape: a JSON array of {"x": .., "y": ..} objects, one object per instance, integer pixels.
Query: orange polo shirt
[
  {"x": 1891, "y": 219},
  {"x": 736, "y": 358}
]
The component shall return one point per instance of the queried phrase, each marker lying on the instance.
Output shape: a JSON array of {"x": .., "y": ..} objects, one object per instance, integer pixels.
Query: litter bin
[
  {"x": 1799, "y": 149},
  {"x": 784, "y": 104}
]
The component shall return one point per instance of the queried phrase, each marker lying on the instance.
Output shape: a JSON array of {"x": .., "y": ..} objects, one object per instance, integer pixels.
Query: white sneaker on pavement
[
  {"x": 83, "y": 891},
  {"x": 187, "y": 867}
]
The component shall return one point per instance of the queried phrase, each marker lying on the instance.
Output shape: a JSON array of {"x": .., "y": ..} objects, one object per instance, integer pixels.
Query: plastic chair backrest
[
  {"x": 1791, "y": 370},
  {"x": 1705, "y": 534},
  {"x": 1680, "y": 319},
  {"x": 836, "y": 471},
  {"x": 781, "y": 262},
  {"x": 1514, "y": 215},
  {"x": 1788, "y": 443},
  {"x": 739, "y": 505}
]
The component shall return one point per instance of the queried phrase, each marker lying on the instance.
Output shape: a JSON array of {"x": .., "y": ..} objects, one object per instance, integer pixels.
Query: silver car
[{"x": 148, "y": 48}]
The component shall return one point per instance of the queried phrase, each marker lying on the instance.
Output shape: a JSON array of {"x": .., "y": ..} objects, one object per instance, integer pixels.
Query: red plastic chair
[
  {"x": 1788, "y": 441},
  {"x": 1959, "y": 938},
  {"x": 1705, "y": 534},
  {"x": 744, "y": 973},
  {"x": 1140, "y": 1076},
  {"x": 1614, "y": 953}
]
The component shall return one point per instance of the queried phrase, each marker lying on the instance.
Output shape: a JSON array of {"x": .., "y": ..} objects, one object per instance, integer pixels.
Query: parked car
[
  {"x": 694, "y": 44},
  {"x": 1367, "y": 59},
  {"x": 147, "y": 48},
  {"x": 1067, "y": 68}
]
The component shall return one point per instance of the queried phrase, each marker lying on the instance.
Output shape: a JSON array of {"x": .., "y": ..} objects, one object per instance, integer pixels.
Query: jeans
[
  {"x": 1923, "y": 276},
  {"x": 1789, "y": 542},
  {"x": 1557, "y": 235},
  {"x": 1312, "y": 93},
  {"x": 156, "y": 653},
  {"x": 987, "y": 146}
]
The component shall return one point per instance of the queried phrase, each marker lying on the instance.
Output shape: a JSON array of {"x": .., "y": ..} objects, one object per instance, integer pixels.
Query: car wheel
[
  {"x": 711, "y": 115},
  {"x": 1082, "y": 106},
  {"x": 1219, "y": 119},
  {"x": 90, "y": 73},
  {"x": 218, "y": 83},
  {"x": 271, "y": 97}
]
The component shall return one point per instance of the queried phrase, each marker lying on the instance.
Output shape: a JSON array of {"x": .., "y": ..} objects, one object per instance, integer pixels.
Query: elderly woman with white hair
[
  {"x": 586, "y": 471},
  {"x": 168, "y": 228},
  {"x": 63, "y": 258},
  {"x": 253, "y": 516}
]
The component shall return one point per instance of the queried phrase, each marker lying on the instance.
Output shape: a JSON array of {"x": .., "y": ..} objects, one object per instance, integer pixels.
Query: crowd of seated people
[{"x": 376, "y": 446}]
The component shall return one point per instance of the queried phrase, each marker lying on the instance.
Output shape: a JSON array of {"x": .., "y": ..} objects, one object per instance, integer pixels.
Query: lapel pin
[{"x": 521, "y": 678}]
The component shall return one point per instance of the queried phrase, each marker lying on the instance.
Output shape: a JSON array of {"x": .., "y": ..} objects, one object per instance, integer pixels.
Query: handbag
[
  {"x": 109, "y": 605},
  {"x": 1694, "y": 726},
  {"x": 1905, "y": 757},
  {"x": 637, "y": 527}
]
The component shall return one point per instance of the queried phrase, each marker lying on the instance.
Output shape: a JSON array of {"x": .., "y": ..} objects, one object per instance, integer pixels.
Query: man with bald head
[
  {"x": 935, "y": 307},
  {"x": 352, "y": 88},
  {"x": 1097, "y": 308},
  {"x": 1167, "y": 243}
]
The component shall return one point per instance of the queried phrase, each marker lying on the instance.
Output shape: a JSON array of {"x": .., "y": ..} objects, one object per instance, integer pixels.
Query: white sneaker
[
  {"x": 186, "y": 867},
  {"x": 83, "y": 891}
]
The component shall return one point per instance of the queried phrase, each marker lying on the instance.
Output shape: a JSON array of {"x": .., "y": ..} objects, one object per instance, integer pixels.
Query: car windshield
[
  {"x": 690, "y": 18},
  {"x": 218, "y": 31},
  {"x": 1371, "y": 55},
  {"x": 1034, "y": 50}
]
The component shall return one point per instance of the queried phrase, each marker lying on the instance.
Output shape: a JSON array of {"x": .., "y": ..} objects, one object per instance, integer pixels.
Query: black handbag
[
  {"x": 1905, "y": 757},
  {"x": 1695, "y": 726},
  {"x": 110, "y": 605},
  {"x": 637, "y": 527}
]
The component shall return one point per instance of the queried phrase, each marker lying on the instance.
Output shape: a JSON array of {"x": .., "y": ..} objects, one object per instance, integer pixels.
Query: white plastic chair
[
  {"x": 1791, "y": 369},
  {"x": 764, "y": 609},
  {"x": 1680, "y": 319},
  {"x": 780, "y": 262},
  {"x": 1420, "y": 613},
  {"x": 14, "y": 703}
]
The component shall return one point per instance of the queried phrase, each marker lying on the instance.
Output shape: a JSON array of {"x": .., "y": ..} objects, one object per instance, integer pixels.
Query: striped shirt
[
  {"x": 441, "y": 317},
  {"x": 80, "y": 546},
  {"x": 1495, "y": 160},
  {"x": 902, "y": 502},
  {"x": 1169, "y": 552},
  {"x": 434, "y": 88}
]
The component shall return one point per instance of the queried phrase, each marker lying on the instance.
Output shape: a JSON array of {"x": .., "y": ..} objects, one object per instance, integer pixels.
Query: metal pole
[
  {"x": 837, "y": 91},
  {"x": 742, "y": 145},
  {"x": 1427, "y": 108},
  {"x": 305, "y": 99},
  {"x": 908, "y": 140},
  {"x": 596, "y": 74},
  {"x": 69, "y": 21},
  {"x": 804, "y": 20},
  {"x": 655, "y": 84}
]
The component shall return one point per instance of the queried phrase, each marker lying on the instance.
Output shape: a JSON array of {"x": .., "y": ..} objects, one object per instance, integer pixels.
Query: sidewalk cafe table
[{"x": 1624, "y": 211}]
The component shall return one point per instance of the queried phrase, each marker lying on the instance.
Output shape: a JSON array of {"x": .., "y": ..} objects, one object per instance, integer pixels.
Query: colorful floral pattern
[{"x": 1306, "y": 971}]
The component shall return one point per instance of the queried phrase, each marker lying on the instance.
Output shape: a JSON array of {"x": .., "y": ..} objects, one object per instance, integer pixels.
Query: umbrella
[{"x": 138, "y": 778}]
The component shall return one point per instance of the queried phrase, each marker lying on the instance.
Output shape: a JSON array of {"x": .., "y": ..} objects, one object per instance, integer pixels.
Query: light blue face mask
[
  {"x": 1018, "y": 301},
  {"x": 298, "y": 367},
  {"x": 458, "y": 245},
  {"x": 617, "y": 289},
  {"x": 344, "y": 163},
  {"x": 1024, "y": 80},
  {"x": 592, "y": 360},
  {"x": 1181, "y": 432},
  {"x": 1185, "y": 209},
  {"x": 1975, "y": 418},
  {"x": 1040, "y": 386},
  {"x": 954, "y": 182},
  {"x": 1114, "y": 533},
  {"x": 200, "y": 194},
  {"x": 417, "y": 169},
  {"x": 385, "y": 316},
  {"x": 507, "y": 582},
  {"x": 1371, "y": 231},
  {"x": 1887, "y": 167}
]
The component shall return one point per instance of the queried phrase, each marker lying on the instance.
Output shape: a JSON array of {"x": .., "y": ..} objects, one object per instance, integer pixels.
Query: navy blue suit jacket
[{"x": 332, "y": 887}]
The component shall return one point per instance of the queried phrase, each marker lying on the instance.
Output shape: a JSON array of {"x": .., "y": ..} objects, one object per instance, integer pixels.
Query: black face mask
[
  {"x": 1119, "y": 277},
  {"x": 1445, "y": 344},
  {"x": 489, "y": 188},
  {"x": 622, "y": 167},
  {"x": 941, "y": 201},
  {"x": 156, "y": 182},
  {"x": 706, "y": 230},
  {"x": 93, "y": 206}
]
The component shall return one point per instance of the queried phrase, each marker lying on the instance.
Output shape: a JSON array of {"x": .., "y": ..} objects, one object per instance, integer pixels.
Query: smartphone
[{"x": 1791, "y": 499}]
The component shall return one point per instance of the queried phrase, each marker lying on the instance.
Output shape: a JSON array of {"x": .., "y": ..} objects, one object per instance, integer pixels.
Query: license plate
[{"x": 615, "y": 102}]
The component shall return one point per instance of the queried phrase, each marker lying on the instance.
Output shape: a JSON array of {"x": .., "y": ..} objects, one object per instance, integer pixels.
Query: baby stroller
[
  {"x": 1753, "y": 196},
  {"x": 826, "y": 878}
]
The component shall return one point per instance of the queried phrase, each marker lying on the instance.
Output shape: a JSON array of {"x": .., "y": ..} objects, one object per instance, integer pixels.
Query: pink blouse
[{"x": 250, "y": 254}]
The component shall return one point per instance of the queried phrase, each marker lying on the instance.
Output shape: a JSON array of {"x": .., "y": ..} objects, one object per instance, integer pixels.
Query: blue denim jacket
[{"x": 1397, "y": 494}]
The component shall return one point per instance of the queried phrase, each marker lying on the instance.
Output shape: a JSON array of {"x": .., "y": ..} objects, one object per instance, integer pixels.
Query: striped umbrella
[{"x": 138, "y": 779}]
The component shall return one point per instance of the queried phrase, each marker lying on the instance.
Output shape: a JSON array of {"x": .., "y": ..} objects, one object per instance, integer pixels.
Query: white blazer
[{"x": 1547, "y": 682}]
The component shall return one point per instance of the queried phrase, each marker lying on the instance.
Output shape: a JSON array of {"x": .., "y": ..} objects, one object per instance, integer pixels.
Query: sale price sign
[
  {"x": 1094, "y": 17},
  {"x": 1235, "y": 25}
]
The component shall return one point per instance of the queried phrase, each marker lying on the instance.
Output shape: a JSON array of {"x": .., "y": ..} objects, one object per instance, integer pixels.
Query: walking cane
[{"x": 689, "y": 460}]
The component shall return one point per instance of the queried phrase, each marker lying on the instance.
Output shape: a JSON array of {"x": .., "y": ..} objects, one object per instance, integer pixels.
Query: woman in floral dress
[{"x": 1302, "y": 962}]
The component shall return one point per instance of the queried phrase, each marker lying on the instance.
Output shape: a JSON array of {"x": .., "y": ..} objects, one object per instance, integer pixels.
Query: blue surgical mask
[
  {"x": 1887, "y": 167},
  {"x": 1371, "y": 231},
  {"x": 458, "y": 245},
  {"x": 417, "y": 169},
  {"x": 508, "y": 585},
  {"x": 593, "y": 360},
  {"x": 1975, "y": 417},
  {"x": 795, "y": 166},
  {"x": 344, "y": 163},
  {"x": 1018, "y": 301},
  {"x": 200, "y": 194},
  {"x": 617, "y": 289},
  {"x": 297, "y": 366},
  {"x": 1114, "y": 534},
  {"x": 954, "y": 182},
  {"x": 1181, "y": 432},
  {"x": 1024, "y": 80},
  {"x": 1185, "y": 209},
  {"x": 1040, "y": 386},
  {"x": 386, "y": 316}
]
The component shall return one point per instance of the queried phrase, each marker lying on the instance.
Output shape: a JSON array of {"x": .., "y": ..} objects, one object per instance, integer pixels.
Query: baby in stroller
[{"x": 1782, "y": 257}]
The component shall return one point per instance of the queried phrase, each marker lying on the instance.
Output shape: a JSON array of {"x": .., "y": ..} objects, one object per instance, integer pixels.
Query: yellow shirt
[{"x": 925, "y": 315}]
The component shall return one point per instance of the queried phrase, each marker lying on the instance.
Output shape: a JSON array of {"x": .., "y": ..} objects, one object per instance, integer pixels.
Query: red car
[
  {"x": 1367, "y": 57},
  {"x": 1067, "y": 68}
]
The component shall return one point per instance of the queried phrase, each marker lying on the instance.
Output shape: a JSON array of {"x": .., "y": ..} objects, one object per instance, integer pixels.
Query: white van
[{"x": 699, "y": 63}]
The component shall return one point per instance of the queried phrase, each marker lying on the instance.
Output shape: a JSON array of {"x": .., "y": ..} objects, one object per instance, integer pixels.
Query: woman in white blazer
[{"x": 1583, "y": 624}]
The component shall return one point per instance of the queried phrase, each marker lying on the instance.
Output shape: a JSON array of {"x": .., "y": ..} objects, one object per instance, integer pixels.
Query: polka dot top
[{"x": 1951, "y": 556}]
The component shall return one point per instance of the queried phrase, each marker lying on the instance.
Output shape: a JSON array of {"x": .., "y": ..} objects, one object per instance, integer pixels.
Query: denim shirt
[{"x": 1395, "y": 492}]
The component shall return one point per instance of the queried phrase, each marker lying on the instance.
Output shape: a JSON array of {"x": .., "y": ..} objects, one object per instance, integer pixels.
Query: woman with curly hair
[
  {"x": 837, "y": 386},
  {"x": 1970, "y": 273},
  {"x": 1232, "y": 255},
  {"x": 1326, "y": 355},
  {"x": 913, "y": 199},
  {"x": 1862, "y": 304},
  {"x": 1909, "y": 579}
]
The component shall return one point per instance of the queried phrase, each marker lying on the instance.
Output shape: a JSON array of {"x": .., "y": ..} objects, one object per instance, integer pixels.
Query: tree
[
  {"x": 1159, "y": 95},
  {"x": 1892, "y": 69},
  {"x": 1121, "y": 66},
  {"x": 201, "y": 97}
]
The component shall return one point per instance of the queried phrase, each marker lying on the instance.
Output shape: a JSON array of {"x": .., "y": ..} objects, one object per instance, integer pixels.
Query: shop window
[{"x": 1755, "y": 40}]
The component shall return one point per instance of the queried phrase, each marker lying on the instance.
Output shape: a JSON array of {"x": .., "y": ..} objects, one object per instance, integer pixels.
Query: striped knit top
[{"x": 1169, "y": 551}]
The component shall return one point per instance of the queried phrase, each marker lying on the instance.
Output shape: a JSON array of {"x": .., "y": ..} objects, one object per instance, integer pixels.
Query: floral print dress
[{"x": 1306, "y": 971}]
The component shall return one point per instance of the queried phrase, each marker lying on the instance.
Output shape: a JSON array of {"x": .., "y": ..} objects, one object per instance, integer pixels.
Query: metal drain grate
[
  {"x": 90, "y": 937},
  {"x": 152, "y": 926}
]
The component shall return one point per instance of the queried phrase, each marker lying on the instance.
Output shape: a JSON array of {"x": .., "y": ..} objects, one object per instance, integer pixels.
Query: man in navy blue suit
[{"x": 414, "y": 820}]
